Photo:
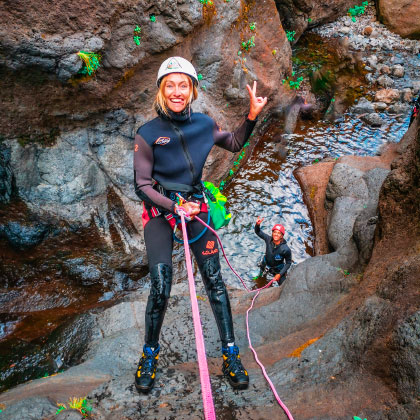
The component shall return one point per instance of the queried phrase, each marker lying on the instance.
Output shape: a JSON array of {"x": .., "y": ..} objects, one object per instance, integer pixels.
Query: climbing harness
[
  {"x": 208, "y": 405},
  {"x": 196, "y": 238}
]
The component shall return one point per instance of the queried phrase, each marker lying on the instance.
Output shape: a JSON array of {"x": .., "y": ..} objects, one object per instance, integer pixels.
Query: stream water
[{"x": 266, "y": 187}]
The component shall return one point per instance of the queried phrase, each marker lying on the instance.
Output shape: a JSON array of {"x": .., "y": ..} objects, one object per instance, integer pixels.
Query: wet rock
[
  {"x": 6, "y": 175},
  {"x": 385, "y": 81},
  {"x": 87, "y": 273},
  {"x": 33, "y": 408},
  {"x": 345, "y": 30},
  {"x": 384, "y": 69},
  {"x": 373, "y": 119},
  {"x": 416, "y": 86},
  {"x": 380, "y": 106},
  {"x": 399, "y": 108},
  {"x": 406, "y": 95},
  {"x": 387, "y": 95},
  {"x": 372, "y": 61},
  {"x": 363, "y": 106},
  {"x": 61, "y": 349},
  {"x": 398, "y": 70},
  {"x": 22, "y": 236}
]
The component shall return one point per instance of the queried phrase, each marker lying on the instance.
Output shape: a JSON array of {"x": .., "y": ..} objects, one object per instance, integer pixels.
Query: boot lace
[
  {"x": 148, "y": 360},
  {"x": 234, "y": 364}
]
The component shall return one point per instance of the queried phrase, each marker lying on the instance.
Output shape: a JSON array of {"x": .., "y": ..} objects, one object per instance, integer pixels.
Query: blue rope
[{"x": 190, "y": 241}]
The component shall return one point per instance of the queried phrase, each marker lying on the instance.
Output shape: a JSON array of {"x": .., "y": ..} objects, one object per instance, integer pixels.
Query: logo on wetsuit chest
[
  {"x": 161, "y": 141},
  {"x": 277, "y": 257}
]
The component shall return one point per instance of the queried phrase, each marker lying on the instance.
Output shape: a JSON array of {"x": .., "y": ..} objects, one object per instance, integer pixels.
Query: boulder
[
  {"x": 401, "y": 16},
  {"x": 374, "y": 119},
  {"x": 385, "y": 81},
  {"x": 363, "y": 106},
  {"x": 398, "y": 70},
  {"x": 387, "y": 95}
]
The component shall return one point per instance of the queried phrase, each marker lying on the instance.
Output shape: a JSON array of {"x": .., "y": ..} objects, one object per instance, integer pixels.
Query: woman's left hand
[{"x": 257, "y": 103}]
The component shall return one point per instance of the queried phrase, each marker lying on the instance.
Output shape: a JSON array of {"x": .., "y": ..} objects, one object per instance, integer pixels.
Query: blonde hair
[{"x": 160, "y": 101}]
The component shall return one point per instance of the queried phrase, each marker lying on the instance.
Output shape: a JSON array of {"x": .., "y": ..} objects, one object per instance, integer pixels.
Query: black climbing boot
[
  {"x": 232, "y": 368},
  {"x": 146, "y": 372}
]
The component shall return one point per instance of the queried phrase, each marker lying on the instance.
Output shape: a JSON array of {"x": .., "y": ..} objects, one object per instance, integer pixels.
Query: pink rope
[
  {"x": 273, "y": 389},
  {"x": 208, "y": 405}
]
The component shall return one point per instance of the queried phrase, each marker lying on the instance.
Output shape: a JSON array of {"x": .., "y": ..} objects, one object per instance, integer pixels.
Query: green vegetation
[
  {"x": 152, "y": 18},
  {"x": 79, "y": 404},
  {"x": 248, "y": 44},
  {"x": 345, "y": 273},
  {"x": 91, "y": 61},
  {"x": 252, "y": 26},
  {"x": 137, "y": 32},
  {"x": 290, "y": 35},
  {"x": 293, "y": 84},
  {"x": 357, "y": 10},
  {"x": 43, "y": 139},
  {"x": 199, "y": 76},
  {"x": 206, "y": 2}
]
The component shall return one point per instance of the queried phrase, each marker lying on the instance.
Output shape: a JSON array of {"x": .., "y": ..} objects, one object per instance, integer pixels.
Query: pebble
[
  {"x": 380, "y": 106},
  {"x": 398, "y": 70},
  {"x": 385, "y": 81}
]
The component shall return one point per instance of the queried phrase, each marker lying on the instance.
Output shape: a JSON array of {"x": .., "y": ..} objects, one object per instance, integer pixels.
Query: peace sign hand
[{"x": 257, "y": 103}]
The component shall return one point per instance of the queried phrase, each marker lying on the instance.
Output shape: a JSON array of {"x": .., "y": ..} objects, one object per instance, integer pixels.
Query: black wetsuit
[
  {"x": 278, "y": 258},
  {"x": 172, "y": 151}
]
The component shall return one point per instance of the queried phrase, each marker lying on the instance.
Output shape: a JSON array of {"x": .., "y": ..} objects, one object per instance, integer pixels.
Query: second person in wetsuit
[
  {"x": 169, "y": 155},
  {"x": 278, "y": 256}
]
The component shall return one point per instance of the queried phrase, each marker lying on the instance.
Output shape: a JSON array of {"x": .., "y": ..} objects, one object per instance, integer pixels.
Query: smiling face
[
  {"x": 177, "y": 88},
  {"x": 277, "y": 236}
]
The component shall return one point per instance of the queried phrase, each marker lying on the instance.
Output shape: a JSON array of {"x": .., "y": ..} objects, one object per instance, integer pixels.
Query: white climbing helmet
[{"x": 176, "y": 65}]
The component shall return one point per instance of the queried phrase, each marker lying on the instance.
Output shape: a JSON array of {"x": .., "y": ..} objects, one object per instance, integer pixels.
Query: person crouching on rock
[
  {"x": 169, "y": 155},
  {"x": 278, "y": 256}
]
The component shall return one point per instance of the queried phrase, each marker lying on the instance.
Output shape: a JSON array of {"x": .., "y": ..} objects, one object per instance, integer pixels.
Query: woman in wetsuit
[{"x": 169, "y": 155}]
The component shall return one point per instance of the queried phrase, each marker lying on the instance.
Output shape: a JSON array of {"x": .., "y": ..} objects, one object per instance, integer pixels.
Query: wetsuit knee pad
[
  {"x": 211, "y": 272},
  {"x": 161, "y": 281}
]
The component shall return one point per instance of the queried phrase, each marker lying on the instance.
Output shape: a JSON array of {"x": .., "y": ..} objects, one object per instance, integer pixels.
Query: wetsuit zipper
[{"x": 186, "y": 152}]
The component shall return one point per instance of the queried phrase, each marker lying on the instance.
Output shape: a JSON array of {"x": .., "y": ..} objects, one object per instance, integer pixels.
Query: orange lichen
[
  {"x": 127, "y": 75},
  {"x": 297, "y": 352},
  {"x": 209, "y": 11},
  {"x": 313, "y": 192}
]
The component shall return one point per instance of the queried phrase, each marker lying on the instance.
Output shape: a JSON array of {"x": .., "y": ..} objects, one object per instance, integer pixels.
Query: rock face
[
  {"x": 65, "y": 158},
  {"x": 297, "y": 15},
  {"x": 6, "y": 176},
  {"x": 401, "y": 16}
]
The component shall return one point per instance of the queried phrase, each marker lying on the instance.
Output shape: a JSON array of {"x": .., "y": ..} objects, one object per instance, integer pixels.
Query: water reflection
[{"x": 266, "y": 187}]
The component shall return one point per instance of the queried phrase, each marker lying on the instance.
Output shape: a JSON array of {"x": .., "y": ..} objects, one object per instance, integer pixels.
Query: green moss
[{"x": 47, "y": 139}]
